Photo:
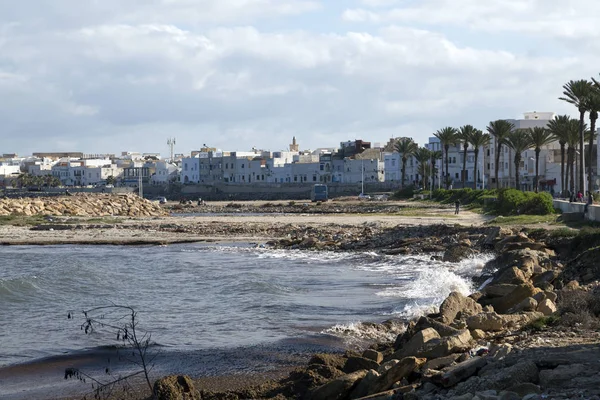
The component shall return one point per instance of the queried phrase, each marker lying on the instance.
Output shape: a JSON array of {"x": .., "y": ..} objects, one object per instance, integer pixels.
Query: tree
[
  {"x": 447, "y": 137},
  {"x": 464, "y": 136},
  {"x": 422, "y": 155},
  {"x": 406, "y": 147},
  {"x": 559, "y": 127},
  {"x": 592, "y": 104},
  {"x": 539, "y": 137},
  {"x": 518, "y": 140},
  {"x": 478, "y": 140},
  {"x": 572, "y": 142},
  {"x": 576, "y": 92},
  {"x": 434, "y": 156},
  {"x": 121, "y": 320},
  {"x": 110, "y": 180},
  {"x": 499, "y": 129}
]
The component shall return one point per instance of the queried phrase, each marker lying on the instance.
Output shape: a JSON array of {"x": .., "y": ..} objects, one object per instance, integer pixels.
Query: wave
[
  {"x": 17, "y": 289},
  {"x": 366, "y": 331}
]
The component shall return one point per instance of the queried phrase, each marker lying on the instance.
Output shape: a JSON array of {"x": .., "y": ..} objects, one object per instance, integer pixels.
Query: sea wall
[{"x": 566, "y": 207}]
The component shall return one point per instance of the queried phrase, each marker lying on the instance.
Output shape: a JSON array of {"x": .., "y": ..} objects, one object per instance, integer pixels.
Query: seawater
[{"x": 200, "y": 298}]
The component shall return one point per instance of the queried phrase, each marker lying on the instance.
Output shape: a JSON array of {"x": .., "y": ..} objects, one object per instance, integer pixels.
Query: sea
[{"x": 211, "y": 309}]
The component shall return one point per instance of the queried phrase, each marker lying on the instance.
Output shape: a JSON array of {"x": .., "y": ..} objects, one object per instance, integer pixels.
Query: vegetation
[
  {"x": 499, "y": 130},
  {"x": 579, "y": 308},
  {"x": 121, "y": 321},
  {"x": 407, "y": 147},
  {"x": 448, "y": 136},
  {"x": 519, "y": 141},
  {"x": 523, "y": 220}
]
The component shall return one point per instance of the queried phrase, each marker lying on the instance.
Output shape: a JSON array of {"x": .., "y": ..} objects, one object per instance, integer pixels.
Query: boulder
[
  {"x": 491, "y": 321},
  {"x": 500, "y": 351},
  {"x": 458, "y": 252},
  {"x": 362, "y": 388},
  {"x": 373, "y": 355},
  {"x": 546, "y": 277},
  {"x": 529, "y": 304},
  {"x": 503, "y": 304},
  {"x": 498, "y": 290},
  {"x": 512, "y": 275},
  {"x": 478, "y": 334},
  {"x": 417, "y": 343},
  {"x": 519, "y": 238},
  {"x": 546, "y": 307},
  {"x": 462, "y": 371},
  {"x": 354, "y": 364},
  {"x": 400, "y": 370},
  {"x": 441, "y": 362},
  {"x": 457, "y": 305},
  {"x": 175, "y": 387},
  {"x": 423, "y": 323},
  {"x": 338, "y": 388}
]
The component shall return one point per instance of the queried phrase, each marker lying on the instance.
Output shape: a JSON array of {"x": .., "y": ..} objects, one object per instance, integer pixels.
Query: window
[
  {"x": 185, "y": 167},
  {"x": 314, "y": 178},
  {"x": 393, "y": 163},
  {"x": 488, "y": 152},
  {"x": 456, "y": 175},
  {"x": 242, "y": 166},
  {"x": 488, "y": 165}
]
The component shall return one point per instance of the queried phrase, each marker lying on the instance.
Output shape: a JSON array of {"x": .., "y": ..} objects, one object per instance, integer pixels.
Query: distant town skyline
[{"x": 112, "y": 76}]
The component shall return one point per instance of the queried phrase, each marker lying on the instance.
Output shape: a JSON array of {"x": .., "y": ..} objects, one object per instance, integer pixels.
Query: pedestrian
[
  {"x": 457, "y": 207},
  {"x": 580, "y": 197}
]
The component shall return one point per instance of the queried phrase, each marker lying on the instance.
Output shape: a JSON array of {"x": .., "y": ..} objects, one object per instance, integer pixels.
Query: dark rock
[
  {"x": 354, "y": 364},
  {"x": 462, "y": 371},
  {"x": 338, "y": 388},
  {"x": 457, "y": 253},
  {"x": 175, "y": 387}
]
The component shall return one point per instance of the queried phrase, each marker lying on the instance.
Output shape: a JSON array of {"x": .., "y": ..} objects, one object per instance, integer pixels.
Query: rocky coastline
[{"x": 527, "y": 333}]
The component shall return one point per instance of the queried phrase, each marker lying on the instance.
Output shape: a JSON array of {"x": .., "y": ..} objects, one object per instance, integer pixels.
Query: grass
[
  {"x": 523, "y": 220},
  {"x": 21, "y": 220}
]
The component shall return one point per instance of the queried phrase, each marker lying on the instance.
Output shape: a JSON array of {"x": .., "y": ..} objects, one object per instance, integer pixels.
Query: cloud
[
  {"x": 545, "y": 18},
  {"x": 127, "y": 76}
]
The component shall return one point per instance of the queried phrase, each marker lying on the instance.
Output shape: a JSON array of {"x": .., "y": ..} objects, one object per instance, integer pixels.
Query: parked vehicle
[
  {"x": 363, "y": 196},
  {"x": 319, "y": 192}
]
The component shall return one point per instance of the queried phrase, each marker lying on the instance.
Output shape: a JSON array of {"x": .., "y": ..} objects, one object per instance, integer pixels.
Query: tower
[{"x": 294, "y": 146}]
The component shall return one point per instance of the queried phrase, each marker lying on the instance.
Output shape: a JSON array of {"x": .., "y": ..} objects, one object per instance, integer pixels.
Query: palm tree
[
  {"x": 559, "y": 127},
  {"x": 576, "y": 92},
  {"x": 539, "y": 137},
  {"x": 406, "y": 147},
  {"x": 499, "y": 129},
  {"x": 435, "y": 155},
  {"x": 447, "y": 137},
  {"x": 592, "y": 104},
  {"x": 464, "y": 136},
  {"x": 518, "y": 140},
  {"x": 572, "y": 141},
  {"x": 422, "y": 156},
  {"x": 478, "y": 140}
]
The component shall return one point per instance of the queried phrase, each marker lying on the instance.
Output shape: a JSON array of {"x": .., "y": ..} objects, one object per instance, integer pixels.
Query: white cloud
[{"x": 547, "y": 18}]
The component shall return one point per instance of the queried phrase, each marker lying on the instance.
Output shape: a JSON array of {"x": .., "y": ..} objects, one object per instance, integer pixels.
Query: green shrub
[
  {"x": 405, "y": 193},
  {"x": 516, "y": 202},
  {"x": 466, "y": 196}
]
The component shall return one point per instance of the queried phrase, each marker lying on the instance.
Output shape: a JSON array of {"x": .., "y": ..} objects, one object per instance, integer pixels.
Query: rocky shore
[
  {"x": 527, "y": 333},
  {"x": 82, "y": 205}
]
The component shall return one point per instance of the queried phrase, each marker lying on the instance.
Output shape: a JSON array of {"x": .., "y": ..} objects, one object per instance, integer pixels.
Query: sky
[{"x": 105, "y": 76}]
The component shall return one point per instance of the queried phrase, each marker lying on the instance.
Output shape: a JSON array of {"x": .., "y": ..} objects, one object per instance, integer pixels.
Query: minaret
[{"x": 294, "y": 146}]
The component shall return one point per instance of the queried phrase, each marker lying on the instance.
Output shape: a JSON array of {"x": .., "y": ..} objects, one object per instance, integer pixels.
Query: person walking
[{"x": 457, "y": 207}]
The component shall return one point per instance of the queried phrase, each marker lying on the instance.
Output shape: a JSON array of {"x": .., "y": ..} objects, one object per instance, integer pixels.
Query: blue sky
[{"x": 116, "y": 76}]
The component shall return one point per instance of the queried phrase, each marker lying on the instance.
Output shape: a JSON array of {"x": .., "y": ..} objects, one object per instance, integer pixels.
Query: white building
[{"x": 165, "y": 173}]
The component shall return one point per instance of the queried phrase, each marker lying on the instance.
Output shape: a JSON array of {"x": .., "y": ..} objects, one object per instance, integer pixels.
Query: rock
[
  {"x": 457, "y": 304},
  {"x": 550, "y": 296},
  {"x": 507, "y": 395},
  {"x": 331, "y": 360},
  {"x": 457, "y": 253},
  {"x": 546, "y": 277},
  {"x": 354, "y": 364},
  {"x": 441, "y": 362},
  {"x": 423, "y": 323},
  {"x": 400, "y": 370},
  {"x": 562, "y": 376},
  {"x": 478, "y": 334},
  {"x": 462, "y": 371},
  {"x": 500, "y": 351},
  {"x": 523, "y": 389},
  {"x": 529, "y": 304},
  {"x": 373, "y": 355},
  {"x": 503, "y": 304},
  {"x": 362, "y": 389},
  {"x": 175, "y": 387},
  {"x": 338, "y": 388},
  {"x": 546, "y": 307},
  {"x": 417, "y": 343},
  {"x": 491, "y": 321},
  {"x": 498, "y": 290},
  {"x": 513, "y": 276}
]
